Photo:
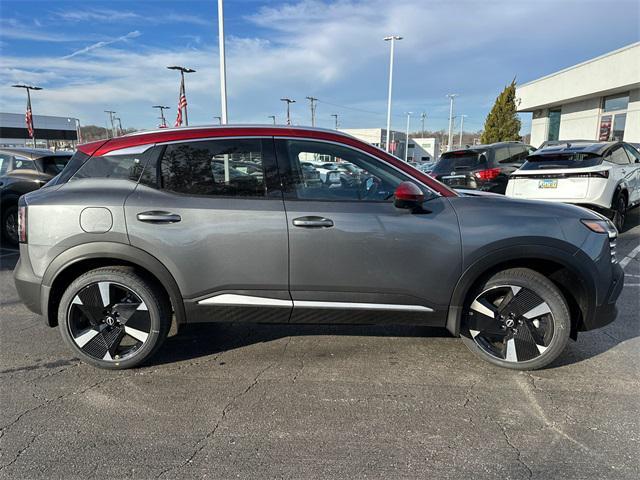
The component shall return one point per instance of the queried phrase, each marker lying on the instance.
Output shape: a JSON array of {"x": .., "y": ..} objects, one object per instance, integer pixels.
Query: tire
[
  {"x": 10, "y": 225},
  {"x": 619, "y": 208},
  {"x": 517, "y": 319},
  {"x": 114, "y": 318}
]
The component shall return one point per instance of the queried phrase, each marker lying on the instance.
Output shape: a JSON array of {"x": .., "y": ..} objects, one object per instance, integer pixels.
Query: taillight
[
  {"x": 22, "y": 224},
  {"x": 489, "y": 174}
]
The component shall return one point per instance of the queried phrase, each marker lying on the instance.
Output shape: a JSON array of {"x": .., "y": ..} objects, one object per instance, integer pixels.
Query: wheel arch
[
  {"x": 568, "y": 271},
  {"x": 77, "y": 260}
]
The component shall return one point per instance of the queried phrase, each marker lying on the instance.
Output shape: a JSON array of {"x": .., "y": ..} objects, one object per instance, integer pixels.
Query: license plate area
[{"x": 548, "y": 183}]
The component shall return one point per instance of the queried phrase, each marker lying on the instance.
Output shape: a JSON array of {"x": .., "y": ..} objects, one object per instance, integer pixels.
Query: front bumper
[{"x": 606, "y": 313}]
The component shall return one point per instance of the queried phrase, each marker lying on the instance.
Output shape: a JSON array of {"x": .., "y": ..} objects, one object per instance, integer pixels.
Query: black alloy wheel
[
  {"x": 10, "y": 224},
  {"x": 518, "y": 320},
  {"x": 620, "y": 212},
  {"x": 112, "y": 318}
]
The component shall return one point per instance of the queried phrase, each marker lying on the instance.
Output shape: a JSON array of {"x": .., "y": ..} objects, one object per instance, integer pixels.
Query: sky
[{"x": 96, "y": 55}]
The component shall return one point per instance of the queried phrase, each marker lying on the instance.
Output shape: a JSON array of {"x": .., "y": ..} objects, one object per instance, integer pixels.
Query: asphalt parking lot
[{"x": 247, "y": 401}]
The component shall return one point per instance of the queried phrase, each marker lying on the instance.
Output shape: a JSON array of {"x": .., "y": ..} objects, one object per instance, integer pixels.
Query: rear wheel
[
  {"x": 619, "y": 208},
  {"x": 10, "y": 225},
  {"x": 518, "y": 319},
  {"x": 113, "y": 318}
]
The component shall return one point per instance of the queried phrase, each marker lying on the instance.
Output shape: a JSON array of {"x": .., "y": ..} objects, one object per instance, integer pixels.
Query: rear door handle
[
  {"x": 312, "y": 222},
  {"x": 155, "y": 216}
]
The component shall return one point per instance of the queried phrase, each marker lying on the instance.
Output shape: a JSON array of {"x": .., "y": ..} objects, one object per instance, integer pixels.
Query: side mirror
[{"x": 409, "y": 196}]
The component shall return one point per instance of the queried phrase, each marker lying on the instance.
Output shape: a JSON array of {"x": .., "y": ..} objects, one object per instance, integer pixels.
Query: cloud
[
  {"x": 11, "y": 28},
  {"x": 123, "y": 16},
  {"x": 103, "y": 44}
]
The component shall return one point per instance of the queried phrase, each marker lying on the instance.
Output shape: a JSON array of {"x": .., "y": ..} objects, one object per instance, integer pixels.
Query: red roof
[{"x": 189, "y": 133}]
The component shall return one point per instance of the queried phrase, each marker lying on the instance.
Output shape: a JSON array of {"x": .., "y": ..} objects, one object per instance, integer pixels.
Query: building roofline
[{"x": 586, "y": 62}]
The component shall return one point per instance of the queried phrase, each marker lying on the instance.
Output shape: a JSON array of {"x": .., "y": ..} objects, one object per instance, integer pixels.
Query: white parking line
[{"x": 631, "y": 256}]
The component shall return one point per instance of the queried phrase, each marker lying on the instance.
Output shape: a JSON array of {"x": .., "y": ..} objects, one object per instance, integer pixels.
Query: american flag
[
  {"x": 182, "y": 103},
  {"x": 29, "y": 118}
]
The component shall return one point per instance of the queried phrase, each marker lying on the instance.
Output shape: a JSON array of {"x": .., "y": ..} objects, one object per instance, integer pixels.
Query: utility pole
[
  {"x": 451, "y": 97},
  {"x": 113, "y": 127},
  {"x": 289, "y": 102},
  {"x": 335, "y": 116},
  {"x": 461, "y": 129},
  {"x": 392, "y": 39},
  {"x": 219, "y": 120},
  {"x": 223, "y": 64},
  {"x": 406, "y": 147},
  {"x": 29, "y": 115},
  {"x": 423, "y": 117},
  {"x": 312, "y": 104},
  {"x": 273, "y": 117},
  {"x": 182, "y": 100},
  {"x": 162, "y": 108}
]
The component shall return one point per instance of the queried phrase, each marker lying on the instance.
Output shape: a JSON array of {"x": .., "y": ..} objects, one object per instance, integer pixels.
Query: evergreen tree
[{"x": 502, "y": 123}]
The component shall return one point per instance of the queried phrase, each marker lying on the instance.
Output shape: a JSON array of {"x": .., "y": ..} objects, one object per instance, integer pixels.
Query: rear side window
[
  {"x": 502, "y": 155},
  {"x": 4, "y": 163},
  {"x": 117, "y": 167},
  {"x": 214, "y": 167},
  {"x": 517, "y": 155},
  {"x": 54, "y": 165},
  {"x": 634, "y": 154},
  {"x": 21, "y": 163},
  {"x": 617, "y": 156},
  {"x": 461, "y": 160}
]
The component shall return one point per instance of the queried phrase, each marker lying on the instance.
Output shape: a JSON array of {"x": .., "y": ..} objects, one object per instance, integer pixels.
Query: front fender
[{"x": 575, "y": 260}]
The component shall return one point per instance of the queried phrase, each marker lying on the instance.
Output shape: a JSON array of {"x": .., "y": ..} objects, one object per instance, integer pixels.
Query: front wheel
[
  {"x": 517, "y": 319},
  {"x": 113, "y": 318}
]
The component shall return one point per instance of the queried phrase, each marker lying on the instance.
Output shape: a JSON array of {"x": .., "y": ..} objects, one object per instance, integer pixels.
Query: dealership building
[
  {"x": 49, "y": 131},
  {"x": 420, "y": 149},
  {"x": 595, "y": 100}
]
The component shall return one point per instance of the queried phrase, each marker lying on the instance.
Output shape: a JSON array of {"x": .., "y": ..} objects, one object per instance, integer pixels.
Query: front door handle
[
  {"x": 156, "y": 216},
  {"x": 312, "y": 222}
]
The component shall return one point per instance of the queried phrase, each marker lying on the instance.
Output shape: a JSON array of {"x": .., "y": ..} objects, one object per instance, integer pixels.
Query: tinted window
[
  {"x": 118, "y": 167},
  {"x": 502, "y": 155},
  {"x": 77, "y": 160},
  {"x": 54, "y": 165},
  {"x": 617, "y": 156},
  {"x": 214, "y": 167},
  {"x": 366, "y": 179},
  {"x": 461, "y": 160},
  {"x": 616, "y": 102},
  {"x": 518, "y": 154},
  {"x": 554, "y": 160},
  {"x": 634, "y": 154},
  {"x": 21, "y": 163},
  {"x": 4, "y": 163}
]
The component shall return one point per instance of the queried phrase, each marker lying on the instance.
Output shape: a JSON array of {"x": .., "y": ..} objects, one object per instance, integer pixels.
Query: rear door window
[
  {"x": 114, "y": 167},
  {"x": 22, "y": 163},
  {"x": 517, "y": 155},
  {"x": 617, "y": 156}
]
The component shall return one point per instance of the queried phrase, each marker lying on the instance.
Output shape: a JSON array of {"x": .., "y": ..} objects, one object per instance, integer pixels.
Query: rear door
[
  {"x": 219, "y": 230},
  {"x": 624, "y": 171},
  {"x": 354, "y": 257},
  {"x": 634, "y": 156}
]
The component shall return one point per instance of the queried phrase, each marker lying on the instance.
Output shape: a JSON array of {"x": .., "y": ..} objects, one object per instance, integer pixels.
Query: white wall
[
  {"x": 632, "y": 129},
  {"x": 539, "y": 127},
  {"x": 579, "y": 120}
]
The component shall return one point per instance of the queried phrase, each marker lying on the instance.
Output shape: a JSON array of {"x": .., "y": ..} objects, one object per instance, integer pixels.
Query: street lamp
[
  {"x": 29, "y": 115},
  {"x": 119, "y": 125},
  {"x": 423, "y": 117},
  {"x": 335, "y": 116},
  {"x": 223, "y": 64},
  {"x": 273, "y": 117},
  {"x": 451, "y": 97},
  {"x": 406, "y": 147},
  {"x": 111, "y": 118},
  {"x": 392, "y": 39},
  {"x": 162, "y": 108},
  {"x": 183, "y": 92},
  {"x": 289, "y": 102},
  {"x": 312, "y": 104}
]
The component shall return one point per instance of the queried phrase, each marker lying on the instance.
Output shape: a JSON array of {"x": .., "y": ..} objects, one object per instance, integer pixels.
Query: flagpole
[
  {"x": 29, "y": 113},
  {"x": 223, "y": 64},
  {"x": 33, "y": 125},
  {"x": 183, "y": 92}
]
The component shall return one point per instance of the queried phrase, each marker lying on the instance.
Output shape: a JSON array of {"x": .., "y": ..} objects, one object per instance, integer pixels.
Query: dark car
[
  {"x": 141, "y": 231},
  {"x": 481, "y": 167},
  {"x": 23, "y": 170}
]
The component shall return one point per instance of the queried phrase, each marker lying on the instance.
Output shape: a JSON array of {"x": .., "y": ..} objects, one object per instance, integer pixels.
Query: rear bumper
[{"x": 28, "y": 286}]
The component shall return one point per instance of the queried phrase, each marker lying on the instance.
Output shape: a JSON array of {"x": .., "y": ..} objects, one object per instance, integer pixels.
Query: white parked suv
[{"x": 603, "y": 176}]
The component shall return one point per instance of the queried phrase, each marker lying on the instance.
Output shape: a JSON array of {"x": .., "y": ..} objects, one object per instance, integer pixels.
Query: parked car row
[
  {"x": 602, "y": 176},
  {"x": 23, "y": 170}
]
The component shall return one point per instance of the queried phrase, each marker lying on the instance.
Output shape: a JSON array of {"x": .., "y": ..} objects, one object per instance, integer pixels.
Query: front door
[
  {"x": 354, "y": 257},
  {"x": 212, "y": 212}
]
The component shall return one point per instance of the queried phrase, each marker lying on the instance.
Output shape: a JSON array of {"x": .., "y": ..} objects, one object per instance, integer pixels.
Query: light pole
[
  {"x": 335, "y": 116},
  {"x": 113, "y": 127},
  {"x": 219, "y": 120},
  {"x": 451, "y": 97},
  {"x": 392, "y": 39},
  {"x": 273, "y": 117},
  {"x": 162, "y": 108},
  {"x": 461, "y": 129},
  {"x": 423, "y": 117},
  {"x": 119, "y": 125},
  {"x": 29, "y": 115},
  {"x": 406, "y": 146},
  {"x": 289, "y": 102},
  {"x": 312, "y": 104},
  {"x": 223, "y": 64},
  {"x": 182, "y": 100}
]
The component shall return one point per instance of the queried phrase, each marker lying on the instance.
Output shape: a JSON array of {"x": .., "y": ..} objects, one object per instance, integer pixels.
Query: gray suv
[{"x": 220, "y": 224}]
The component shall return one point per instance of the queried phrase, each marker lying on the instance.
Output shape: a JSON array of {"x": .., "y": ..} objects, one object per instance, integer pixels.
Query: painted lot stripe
[{"x": 625, "y": 261}]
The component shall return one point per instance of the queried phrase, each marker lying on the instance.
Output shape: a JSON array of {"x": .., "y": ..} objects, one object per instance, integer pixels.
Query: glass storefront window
[
  {"x": 554, "y": 125},
  {"x": 615, "y": 102},
  {"x": 619, "y": 122}
]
